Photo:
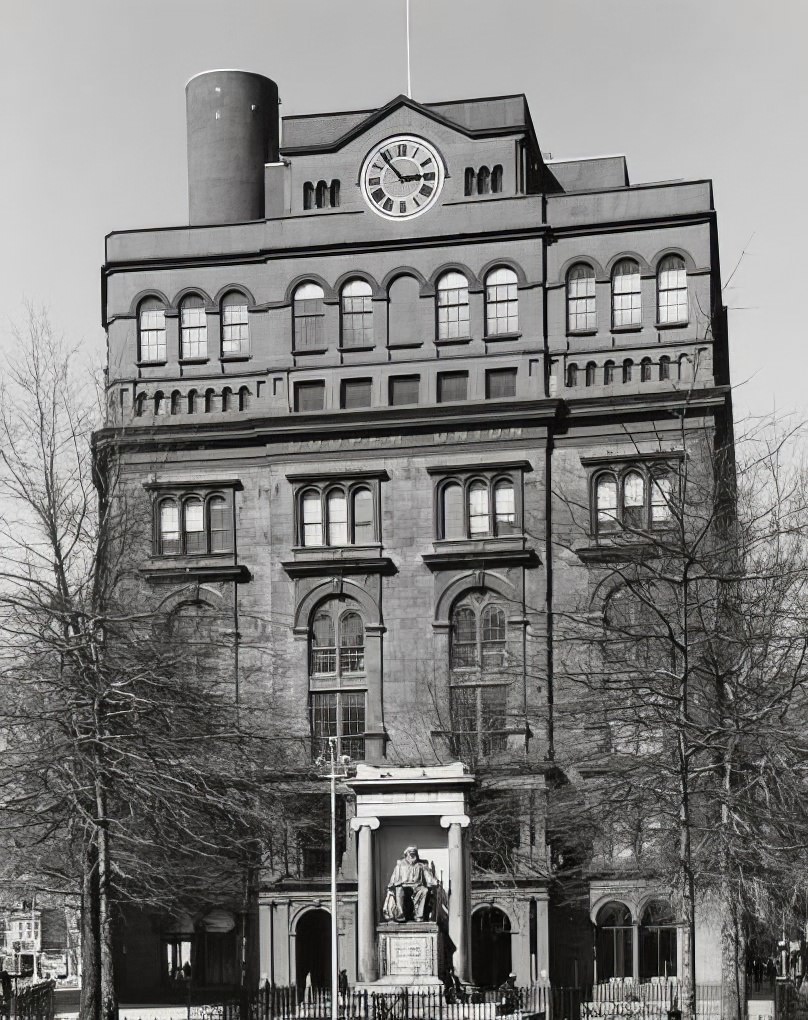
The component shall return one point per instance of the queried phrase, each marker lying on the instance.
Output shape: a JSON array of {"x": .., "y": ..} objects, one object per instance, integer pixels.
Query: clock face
[{"x": 402, "y": 177}]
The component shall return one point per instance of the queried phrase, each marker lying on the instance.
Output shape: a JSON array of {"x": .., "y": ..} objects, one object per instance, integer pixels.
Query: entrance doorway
[
  {"x": 313, "y": 950},
  {"x": 490, "y": 947}
]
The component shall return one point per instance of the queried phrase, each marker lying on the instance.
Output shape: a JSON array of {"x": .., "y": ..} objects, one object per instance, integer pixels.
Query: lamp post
[{"x": 338, "y": 769}]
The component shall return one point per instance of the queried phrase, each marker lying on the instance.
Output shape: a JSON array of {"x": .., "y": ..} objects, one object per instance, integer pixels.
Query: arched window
[
  {"x": 192, "y": 402},
  {"x": 626, "y": 294},
  {"x": 363, "y": 526},
  {"x": 220, "y": 522},
  {"x": 243, "y": 398},
  {"x": 464, "y": 638},
  {"x": 478, "y": 648},
  {"x": 672, "y": 290},
  {"x": 235, "y": 325},
  {"x": 453, "y": 516},
  {"x": 321, "y": 194},
  {"x": 501, "y": 302},
  {"x": 684, "y": 368},
  {"x": 606, "y": 503},
  {"x": 193, "y": 328},
  {"x": 159, "y": 403},
  {"x": 453, "y": 306},
  {"x": 312, "y": 518},
  {"x": 470, "y": 180},
  {"x": 337, "y": 654},
  {"x": 479, "y": 511},
  {"x": 210, "y": 396},
  {"x": 140, "y": 404},
  {"x": 193, "y": 525},
  {"x": 151, "y": 331},
  {"x": 614, "y": 942},
  {"x": 176, "y": 402},
  {"x": 169, "y": 528},
  {"x": 628, "y": 370},
  {"x": 657, "y": 941},
  {"x": 333, "y": 194},
  {"x": 496, "y": 179},
  {"x": 492, "y": 640},
  {"x": 337, "y": 510},
  {"x": 572, "y": 375},
  {"x": 645, "y": 370},
  {"x": 664, "y": 368},
  {"x": 633, "y": 635},
  {"x": 608, "y": 373},
  {"x": 581, "y": 309},
  {"x": 591, "y": 373},
  {"x": 323, "y": 645},
  {"x": 634, "y": 500},
  {"x": 308, "y": 314},
  {"x": 356, "y": 306},
  {"x": 227, "y": 399},
  {"x": 504, "y": 507},
  {"x": 351, "y": 644},
  {"x": 483, "y": 181},
  {"x": 308, "y": 195}
]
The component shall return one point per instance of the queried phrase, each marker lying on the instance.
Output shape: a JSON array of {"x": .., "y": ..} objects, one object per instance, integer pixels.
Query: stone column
[
  {"x": 458, "y": 893},
  {"x": 635, "y": 947},
  {"x": 366, "y": 898}
]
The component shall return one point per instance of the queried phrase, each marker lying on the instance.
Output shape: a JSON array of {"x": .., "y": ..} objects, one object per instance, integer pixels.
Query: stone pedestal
[{"x": 411, "y": 955}]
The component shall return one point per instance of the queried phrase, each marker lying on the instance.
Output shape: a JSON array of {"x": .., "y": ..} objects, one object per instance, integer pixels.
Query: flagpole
[{"x": 409, "y": 79}]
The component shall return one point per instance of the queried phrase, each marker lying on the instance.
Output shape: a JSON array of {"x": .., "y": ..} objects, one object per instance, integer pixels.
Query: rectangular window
[
  {"x": 581, "y": 302},
  {"x": 404, "y": 389},
  {"x": 339, "y": 714},
  {"x": 194, "y": 527},
  {"x": 153, "y": 335},
  {"x": 356, "y": 393},
  {"x": 309, "y": 324},
  {"x": 169, "y": 529},
  {"x": 310, "y": 396},
  {"x": 221, "y": 539},
  {"x": 193, "y": 323},
  {"x": 499, "y": 383},
  {"x": 452, "y": 386},
  {"x": 479, "y": 718}
]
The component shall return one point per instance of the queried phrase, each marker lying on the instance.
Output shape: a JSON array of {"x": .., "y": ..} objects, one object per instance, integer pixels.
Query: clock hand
[
  {"x": 389, "y": 162},
  {"x": 413, "y": 177}
]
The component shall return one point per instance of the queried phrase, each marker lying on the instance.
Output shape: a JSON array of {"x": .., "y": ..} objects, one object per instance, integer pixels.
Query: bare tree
[{"x": 129, "y": 772}]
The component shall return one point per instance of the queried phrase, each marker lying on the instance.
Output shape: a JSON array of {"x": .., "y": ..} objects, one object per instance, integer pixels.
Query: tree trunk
[
  {"x": 109, "y": 1005},
  {"x": 90, "y": 1002},
  {"x": 733, "y": 958}
]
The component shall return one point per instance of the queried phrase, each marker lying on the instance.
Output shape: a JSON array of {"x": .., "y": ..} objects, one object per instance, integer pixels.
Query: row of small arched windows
[
  {"x": 627, "y": 372},
  {"x": 626, "y": 291},
  {"x": 483, "y": 181},
  {"x": 451, "y": 310},
  {"x": 322, "y": 195},
  {"x": 235, "y": 330},
  {"x": 193, "y": 402}
]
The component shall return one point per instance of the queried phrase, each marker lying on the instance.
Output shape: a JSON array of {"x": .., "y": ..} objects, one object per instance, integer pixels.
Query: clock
[{"x": 402, "y": 177}]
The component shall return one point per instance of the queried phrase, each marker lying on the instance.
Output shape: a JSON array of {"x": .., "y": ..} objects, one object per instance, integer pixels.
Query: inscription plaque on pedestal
[{"x": 411, "y": 954}]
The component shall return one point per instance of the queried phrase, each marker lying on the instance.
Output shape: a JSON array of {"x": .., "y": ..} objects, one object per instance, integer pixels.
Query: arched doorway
[
  {"x": 313, "y": 949},
  {"x": 614, "y": 940},
  {"x": 490, "y": 947}
]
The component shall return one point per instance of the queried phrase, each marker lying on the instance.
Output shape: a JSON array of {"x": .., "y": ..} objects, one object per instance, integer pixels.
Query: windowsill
[
  {"x": 194, "y": 361},
  {"x": 582, "y": 332},
  {"x": 409, "y": 345},
  {"x": 310, "y": 350},
  {"x": 616, "y": 546},
  {"x": 496, "y": 337},
  {"x": 315, "y": 561},
  {"x": 505, "y": 550},
  {"x": 235, "y": 357},
  {"x": 152, "y": 364},
  {"x": 672, "y": 325},
  {"x": 365, "y": 347},
  {"x": 200, "y": 566},
  {"x": 635, "y": 328},
  {"x": 448, "y": 341}
]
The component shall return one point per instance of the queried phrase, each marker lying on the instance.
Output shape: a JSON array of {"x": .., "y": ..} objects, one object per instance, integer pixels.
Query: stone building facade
[{"x": 358, "y": 392}]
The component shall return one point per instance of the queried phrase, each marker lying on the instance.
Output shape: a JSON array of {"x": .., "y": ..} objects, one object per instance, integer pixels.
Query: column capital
[
  {"x": 370, "y": 822},
  {"x": 461, "y": 820}
]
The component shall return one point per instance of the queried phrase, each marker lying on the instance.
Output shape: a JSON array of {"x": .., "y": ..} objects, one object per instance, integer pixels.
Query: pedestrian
[
  {"x": 508, "y": 996},
  {"x": 343, "y": 983},
  {"x": 5, "y": 986}
]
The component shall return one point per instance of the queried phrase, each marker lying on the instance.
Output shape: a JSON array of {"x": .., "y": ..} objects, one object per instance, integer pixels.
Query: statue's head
[{"x": 411, "y": 854}]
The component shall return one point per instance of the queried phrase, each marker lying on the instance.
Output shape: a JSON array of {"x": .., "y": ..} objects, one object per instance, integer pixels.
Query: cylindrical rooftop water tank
[{"x": 232, "y": 132}]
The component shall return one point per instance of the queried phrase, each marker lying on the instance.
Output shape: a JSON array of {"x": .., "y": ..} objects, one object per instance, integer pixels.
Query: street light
[{"x": 338, "y": 769}]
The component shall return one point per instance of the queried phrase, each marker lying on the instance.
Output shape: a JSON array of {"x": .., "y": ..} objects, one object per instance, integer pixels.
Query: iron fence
[{"x": 34, "y": 1002}]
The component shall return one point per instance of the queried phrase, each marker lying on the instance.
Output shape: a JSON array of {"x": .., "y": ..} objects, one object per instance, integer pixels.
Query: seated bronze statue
[{"x": 409, "y": 889}]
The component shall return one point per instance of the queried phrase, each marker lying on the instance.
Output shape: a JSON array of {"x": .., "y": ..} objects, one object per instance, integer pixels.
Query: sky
[{"x": 92, "y": 125}]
